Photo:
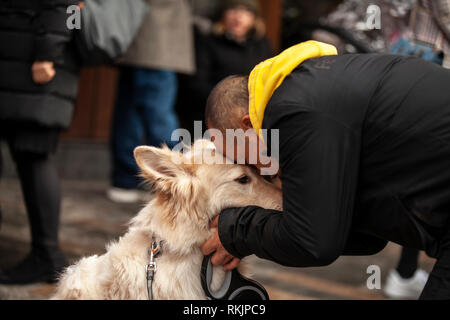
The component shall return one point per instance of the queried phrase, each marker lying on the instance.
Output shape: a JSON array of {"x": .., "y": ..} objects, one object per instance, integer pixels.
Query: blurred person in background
[
  {"x": 407, "y": 280},
  {"x": 235, "y": 43},
  {"x": 144, "y": 111},
  {"x": 38, "y": 86},
  {"x": 428, "y": 33},
  {"x": 409, "y": 28}
]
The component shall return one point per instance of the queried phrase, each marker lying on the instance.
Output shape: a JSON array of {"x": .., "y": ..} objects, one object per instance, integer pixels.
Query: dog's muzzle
[{"x": 234, "y": 287}]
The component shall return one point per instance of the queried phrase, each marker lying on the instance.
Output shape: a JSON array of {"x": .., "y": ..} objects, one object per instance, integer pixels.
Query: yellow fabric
[{"x": 267, "y": 76}]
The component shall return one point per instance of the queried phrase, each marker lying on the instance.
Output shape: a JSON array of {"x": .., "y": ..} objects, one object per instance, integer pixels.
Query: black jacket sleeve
[
  {"x": 319, "y": 159},
  {"x": 360, "y": 244},
  {"x": 51, "y": 32}
]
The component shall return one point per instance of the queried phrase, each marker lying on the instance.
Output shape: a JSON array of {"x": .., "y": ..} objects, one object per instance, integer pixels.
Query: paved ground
[{"x": 89, "y": 221}]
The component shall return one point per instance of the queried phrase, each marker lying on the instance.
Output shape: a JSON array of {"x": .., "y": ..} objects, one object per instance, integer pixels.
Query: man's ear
[
  {"x": 246, "y": 123},
  {"x": 158, "y": 165}
]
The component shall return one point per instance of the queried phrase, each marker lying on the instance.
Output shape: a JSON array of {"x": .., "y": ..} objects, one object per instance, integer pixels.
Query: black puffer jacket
[{"x": 35, "y": 30}]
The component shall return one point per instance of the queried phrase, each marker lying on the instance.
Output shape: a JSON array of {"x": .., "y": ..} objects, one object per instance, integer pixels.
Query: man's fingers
[
  {"x": 214, "y": 222},
  {"x": 220, "y": 257},
  {"x": 227, "y": 259},
  {"x": 210, "y": 245},
  {"x": 232, "y": 264},
  {"x": 214, "y": 242}
]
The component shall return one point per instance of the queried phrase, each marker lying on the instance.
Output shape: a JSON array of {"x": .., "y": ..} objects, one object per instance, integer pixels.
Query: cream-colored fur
[{"x": 186, "y": 197}]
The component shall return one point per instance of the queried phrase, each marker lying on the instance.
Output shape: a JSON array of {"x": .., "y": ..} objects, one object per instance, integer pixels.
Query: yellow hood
[{"x": 267, "y": 76}]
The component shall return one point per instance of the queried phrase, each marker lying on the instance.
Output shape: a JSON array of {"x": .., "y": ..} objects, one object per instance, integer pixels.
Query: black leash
[{"x": 234, "y": 287}]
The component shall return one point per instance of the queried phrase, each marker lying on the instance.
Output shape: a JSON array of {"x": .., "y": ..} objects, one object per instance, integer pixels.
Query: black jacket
[
  {"x": 364, "y": 158},
  {"x": 218, "y": 57},
  {"x": 35, "y": 30}
]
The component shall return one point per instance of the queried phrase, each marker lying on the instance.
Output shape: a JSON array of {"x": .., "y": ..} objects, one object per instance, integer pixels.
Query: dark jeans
[{"x": 144, "y": 114}]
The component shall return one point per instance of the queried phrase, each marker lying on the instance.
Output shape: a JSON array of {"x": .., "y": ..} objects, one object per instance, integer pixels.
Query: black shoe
[{"x": 34, "y": 268}]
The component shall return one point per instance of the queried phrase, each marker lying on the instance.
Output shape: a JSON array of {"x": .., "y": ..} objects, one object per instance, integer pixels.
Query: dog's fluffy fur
[{"x": 186, "y": 197}]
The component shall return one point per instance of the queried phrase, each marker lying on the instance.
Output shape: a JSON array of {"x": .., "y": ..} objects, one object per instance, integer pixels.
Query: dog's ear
[{"x": 160, "y": 164}]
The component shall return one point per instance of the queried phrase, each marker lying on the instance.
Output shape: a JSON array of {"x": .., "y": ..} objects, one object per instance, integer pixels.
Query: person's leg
[
  {"x": 407, "y": 265},
  {"x": 42, "y": 195},
  {"x": 127, "y": 133},
  {"x": 156, "y": 94},
  {"x": 407, "y": 280}
]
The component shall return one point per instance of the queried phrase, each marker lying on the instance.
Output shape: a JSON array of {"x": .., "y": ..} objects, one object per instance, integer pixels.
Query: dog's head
[{"x": 189, "y": 193}]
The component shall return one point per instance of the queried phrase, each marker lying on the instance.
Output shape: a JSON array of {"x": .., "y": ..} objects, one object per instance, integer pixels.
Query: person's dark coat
[
  {"x": 364, "y": 150},
  {"x": 217, "y": 57},
  {"x": 32, "y": 30}
]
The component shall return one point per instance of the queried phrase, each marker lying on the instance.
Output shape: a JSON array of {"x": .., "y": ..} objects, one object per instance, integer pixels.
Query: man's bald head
[{"x": 227, "y": 103}]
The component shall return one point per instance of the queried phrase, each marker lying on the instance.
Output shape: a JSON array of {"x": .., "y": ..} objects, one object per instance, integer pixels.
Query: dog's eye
[{"x": 243, "y": 179}]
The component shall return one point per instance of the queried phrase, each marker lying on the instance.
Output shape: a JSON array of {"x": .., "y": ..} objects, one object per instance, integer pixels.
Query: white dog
[{"x": 186, "y": 198}]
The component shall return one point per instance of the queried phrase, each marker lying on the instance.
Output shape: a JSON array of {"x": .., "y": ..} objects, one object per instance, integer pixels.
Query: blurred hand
[
  {"x": 43, "y": 71},
  {"x": 221, "y": 256}
]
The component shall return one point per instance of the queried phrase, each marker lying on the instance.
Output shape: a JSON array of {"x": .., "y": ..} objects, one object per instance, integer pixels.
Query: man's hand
[
  {"x": 221, "y": 255},
  {"x": 43, "y": 71}
]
